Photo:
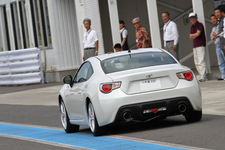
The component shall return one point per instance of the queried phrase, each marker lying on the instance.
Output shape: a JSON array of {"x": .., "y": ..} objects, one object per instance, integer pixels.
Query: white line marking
[{"x": 156, "y": 142}]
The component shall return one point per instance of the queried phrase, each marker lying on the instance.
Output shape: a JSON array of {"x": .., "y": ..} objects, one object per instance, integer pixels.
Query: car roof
[{"x": 105, "y": 56}]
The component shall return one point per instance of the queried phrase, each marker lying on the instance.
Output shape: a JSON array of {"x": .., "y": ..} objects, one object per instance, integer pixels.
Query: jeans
[{"x": 221, "y": 60}]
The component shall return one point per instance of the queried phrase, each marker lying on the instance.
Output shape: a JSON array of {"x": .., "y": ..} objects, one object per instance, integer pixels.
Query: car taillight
[
  {"x": 188, "y": 75},
  {"x": 185, "y": 75},
  {"x": 108, "y": 87}
]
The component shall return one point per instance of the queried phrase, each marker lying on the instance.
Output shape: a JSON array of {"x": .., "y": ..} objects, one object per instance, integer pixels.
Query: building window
[
  {"x": 49, "y": 37},
  {"x": 21, "y": 37},
  {"x": 20, "y": 30},
  {"x": 45, "y": 23},
  {"x": 6, "y": 28},
  {"x": 24, "y": 25},
  {"x": 16, "y": 26},
  {"x": 4, "y": 31}
]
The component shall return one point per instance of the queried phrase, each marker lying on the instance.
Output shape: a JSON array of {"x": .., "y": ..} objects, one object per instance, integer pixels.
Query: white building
[{"x": 62, "y": 23}]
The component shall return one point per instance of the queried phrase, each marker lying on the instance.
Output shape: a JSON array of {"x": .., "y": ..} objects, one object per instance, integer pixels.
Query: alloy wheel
[
  {"x": 63, "y": 115},
  {"x": 91, "y": 117}
]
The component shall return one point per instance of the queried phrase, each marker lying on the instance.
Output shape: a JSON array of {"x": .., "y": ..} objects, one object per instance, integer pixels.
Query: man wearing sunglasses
[{"x": 143, "y": 38}]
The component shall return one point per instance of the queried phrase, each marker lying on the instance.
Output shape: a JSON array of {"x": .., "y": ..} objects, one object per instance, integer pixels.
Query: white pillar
[
  {"x": 114, "y": 21},
  {"x": 10, "y": 26},
  {"x": 154, "y": 23},
  {"x": 199, "y": 10},
  {"x": 80, "y": 12}
]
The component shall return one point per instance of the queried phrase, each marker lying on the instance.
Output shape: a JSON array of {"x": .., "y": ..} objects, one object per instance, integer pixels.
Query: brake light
[
  {"x": 188, "y": 75},
  {"x": 185, "y": 75},
  {"x": 108, "y": 87}
]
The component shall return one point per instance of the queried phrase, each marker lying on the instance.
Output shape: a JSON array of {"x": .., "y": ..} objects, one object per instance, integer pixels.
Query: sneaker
[{"x": 220, "y": 79}]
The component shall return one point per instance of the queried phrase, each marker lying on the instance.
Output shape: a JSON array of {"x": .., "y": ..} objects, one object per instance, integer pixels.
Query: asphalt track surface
[{"x": 39, "y": 127}]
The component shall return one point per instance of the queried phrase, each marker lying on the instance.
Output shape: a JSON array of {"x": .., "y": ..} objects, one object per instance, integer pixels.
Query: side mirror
[{"x": 68, "y": 80}]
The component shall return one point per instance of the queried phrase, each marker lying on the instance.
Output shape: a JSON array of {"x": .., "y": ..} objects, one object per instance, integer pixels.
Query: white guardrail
[{"x": 21, "y": 67}]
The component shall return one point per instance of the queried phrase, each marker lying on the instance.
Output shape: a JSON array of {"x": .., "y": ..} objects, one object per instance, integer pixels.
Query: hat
[{"x": 192, "y": 15}]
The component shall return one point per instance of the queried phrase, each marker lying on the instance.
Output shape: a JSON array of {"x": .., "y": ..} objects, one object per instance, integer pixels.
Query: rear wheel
[
  {"x": 96, "y": 130},
  {"x": 193, "y": 116},
  {"x": 68, "y": 127}
]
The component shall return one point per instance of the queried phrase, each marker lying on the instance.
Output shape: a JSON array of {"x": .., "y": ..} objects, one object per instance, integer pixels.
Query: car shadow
[
  {"x": 131, "y": 127},
  {"x": 151, "y": 125}
]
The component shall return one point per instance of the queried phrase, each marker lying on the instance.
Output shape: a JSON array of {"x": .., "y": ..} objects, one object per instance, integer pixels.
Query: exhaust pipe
[
  {"x": 127, "y": 116},
  {"x": 182, "y": 108}
]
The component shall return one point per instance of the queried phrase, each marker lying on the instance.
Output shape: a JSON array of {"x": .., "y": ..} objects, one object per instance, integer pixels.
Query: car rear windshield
[{"x": 138, "y": 60}]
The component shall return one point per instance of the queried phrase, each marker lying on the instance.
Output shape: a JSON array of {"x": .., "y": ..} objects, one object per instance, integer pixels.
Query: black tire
[
  {"x": 93, "y": 123},
  {"x": 68, "y": 127},
  {"x": 193, "y": 116}
]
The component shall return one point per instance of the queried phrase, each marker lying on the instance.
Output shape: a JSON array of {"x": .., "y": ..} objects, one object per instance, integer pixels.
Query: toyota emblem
[{"x": 148, "y": 75}]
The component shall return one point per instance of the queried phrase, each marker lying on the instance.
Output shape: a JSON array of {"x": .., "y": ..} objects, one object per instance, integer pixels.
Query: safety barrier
[{"x": 21, "y": 67}]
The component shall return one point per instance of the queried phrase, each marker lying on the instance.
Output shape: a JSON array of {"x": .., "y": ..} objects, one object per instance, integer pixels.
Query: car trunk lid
[{"x": 147, "y": 79}]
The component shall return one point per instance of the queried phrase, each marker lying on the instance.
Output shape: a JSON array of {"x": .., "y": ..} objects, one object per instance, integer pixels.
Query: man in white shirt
[
  {"x": 170, "y": 35},
  {"x": 90, "y": 40},
  {"x": 123, "y": 35}
]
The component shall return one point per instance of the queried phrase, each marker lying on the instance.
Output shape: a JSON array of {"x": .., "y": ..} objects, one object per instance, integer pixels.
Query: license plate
[{"x": 150, "y": 84}]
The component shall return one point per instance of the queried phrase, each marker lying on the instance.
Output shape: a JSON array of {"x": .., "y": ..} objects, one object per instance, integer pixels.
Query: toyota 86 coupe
[{"x": 129, "y": 86}]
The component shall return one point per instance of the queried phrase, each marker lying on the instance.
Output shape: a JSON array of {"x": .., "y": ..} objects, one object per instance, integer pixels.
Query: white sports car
[{"x": 138, "y": 85}]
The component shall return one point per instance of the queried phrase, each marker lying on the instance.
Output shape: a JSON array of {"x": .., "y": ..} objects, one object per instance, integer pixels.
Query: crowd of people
[
  {"x": 218, "y": 36},
  {"x": 170, "y": 39}
]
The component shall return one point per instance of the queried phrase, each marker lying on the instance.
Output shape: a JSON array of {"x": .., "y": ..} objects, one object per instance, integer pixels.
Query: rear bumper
[
  {"x": 108, "y": 106},
  {"x": 142, "y": 111}
]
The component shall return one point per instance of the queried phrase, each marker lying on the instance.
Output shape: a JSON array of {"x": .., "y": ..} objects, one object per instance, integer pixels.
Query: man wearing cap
[
  {"x": 197, "y": 34},
  {"x": 170, "y": 35}
]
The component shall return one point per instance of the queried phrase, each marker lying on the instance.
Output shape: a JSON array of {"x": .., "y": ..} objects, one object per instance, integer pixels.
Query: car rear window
[{"x": 138, "y": 60}]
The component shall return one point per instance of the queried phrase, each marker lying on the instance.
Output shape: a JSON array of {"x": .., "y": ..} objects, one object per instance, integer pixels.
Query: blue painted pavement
[{"x": 78, "y": 139}]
